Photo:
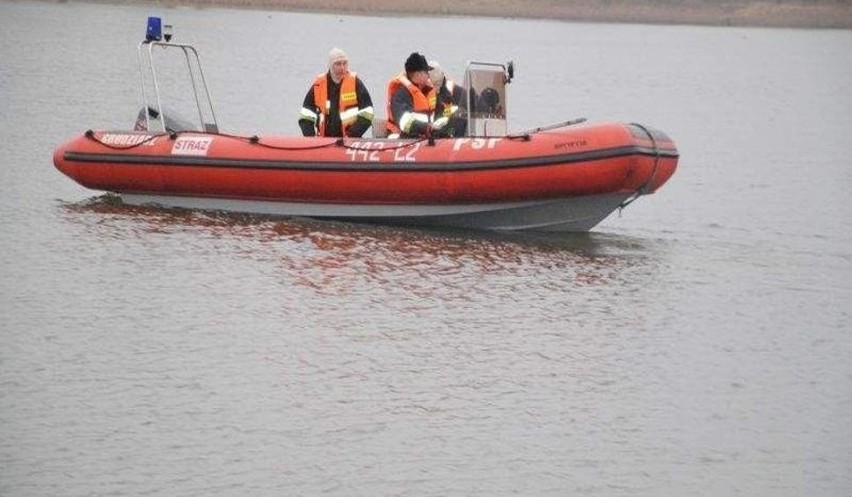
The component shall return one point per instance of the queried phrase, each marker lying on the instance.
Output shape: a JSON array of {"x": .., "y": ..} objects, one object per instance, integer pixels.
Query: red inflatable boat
[{"x": 564, "y": 177}]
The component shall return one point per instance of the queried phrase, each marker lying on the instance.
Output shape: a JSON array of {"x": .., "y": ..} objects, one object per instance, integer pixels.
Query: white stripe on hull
[{"x": 563, "y": 215}]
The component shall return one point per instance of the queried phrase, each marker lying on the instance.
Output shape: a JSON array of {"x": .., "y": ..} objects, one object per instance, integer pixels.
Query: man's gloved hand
[{"x": 440, "y": 122}]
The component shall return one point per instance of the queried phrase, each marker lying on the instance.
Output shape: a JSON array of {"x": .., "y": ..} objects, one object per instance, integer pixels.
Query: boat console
[{"x": 486, "y": 97}]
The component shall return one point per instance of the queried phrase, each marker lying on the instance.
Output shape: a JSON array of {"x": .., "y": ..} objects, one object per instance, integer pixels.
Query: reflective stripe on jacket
[{"x": 349, "y": 110}]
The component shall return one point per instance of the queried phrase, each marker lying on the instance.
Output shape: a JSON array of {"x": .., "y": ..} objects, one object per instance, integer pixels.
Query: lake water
[{"x": 697, "y": 344}]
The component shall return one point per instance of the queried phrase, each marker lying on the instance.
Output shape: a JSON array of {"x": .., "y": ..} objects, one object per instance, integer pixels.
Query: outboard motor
[{"x": 174, "y": 123}]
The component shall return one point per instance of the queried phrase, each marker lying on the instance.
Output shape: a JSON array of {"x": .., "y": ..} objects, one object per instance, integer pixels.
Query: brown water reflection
[{"x": 336, "y": 257}]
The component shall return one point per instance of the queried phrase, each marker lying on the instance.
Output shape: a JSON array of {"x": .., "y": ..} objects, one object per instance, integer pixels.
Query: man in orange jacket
[
  {"x": 338, "y": 103},
  {"x": 412, "y": 100}
]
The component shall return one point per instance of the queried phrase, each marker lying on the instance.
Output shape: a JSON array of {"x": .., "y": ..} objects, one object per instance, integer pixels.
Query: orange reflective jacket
[
  {"x": 423, "y": 103},
  {"x": 348, "y": 100}
]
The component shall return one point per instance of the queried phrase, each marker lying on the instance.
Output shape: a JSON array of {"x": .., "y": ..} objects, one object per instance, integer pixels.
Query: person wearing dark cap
[
  {"x": 338, "y": 103},
  {"x": 412, "y": 100}
]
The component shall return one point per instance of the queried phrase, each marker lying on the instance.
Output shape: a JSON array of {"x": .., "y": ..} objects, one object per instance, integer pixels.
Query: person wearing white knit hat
[
  {"x": 450, "y": 99},
  {"x": 337, "y": 55},
  {"x": 436, "y": 74},
  {"x": 337, "y": 103}
]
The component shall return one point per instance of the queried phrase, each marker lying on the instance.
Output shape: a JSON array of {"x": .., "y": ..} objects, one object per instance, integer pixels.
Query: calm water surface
[{"x": 698, "y": 344}]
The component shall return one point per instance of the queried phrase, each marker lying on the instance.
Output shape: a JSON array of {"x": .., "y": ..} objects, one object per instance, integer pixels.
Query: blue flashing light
[{"x": 155, "y": 29}]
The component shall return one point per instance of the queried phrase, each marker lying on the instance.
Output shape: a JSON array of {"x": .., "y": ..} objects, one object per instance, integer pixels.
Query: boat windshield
[{"x": 486, "y": 100}]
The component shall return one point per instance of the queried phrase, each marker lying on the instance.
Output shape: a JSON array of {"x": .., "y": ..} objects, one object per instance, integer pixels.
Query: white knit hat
[
  {"x": 336, "y": 54},
  {"x": 436, "y": 75}
]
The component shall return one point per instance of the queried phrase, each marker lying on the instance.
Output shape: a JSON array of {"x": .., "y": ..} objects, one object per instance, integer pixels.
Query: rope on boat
[
  {"x": 254, "y": 140},
  {"x": 525, "y": 135},
  {"x": 388, "y": 149},
  {"x": 642, "y": 190},
  {"x": 337, "y": 143},
  {"x": 91, "y": 135}
]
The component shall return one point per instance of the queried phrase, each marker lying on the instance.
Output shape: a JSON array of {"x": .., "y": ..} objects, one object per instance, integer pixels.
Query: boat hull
[
  {"x": 563, "y": 180},
  {"x": 574, "y": 214}
]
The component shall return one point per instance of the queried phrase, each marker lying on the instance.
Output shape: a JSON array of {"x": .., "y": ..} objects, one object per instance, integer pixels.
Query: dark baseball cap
[{"x": 416, "y": 62}]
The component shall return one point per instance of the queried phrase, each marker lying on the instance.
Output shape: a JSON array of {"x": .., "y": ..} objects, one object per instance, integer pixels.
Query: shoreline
[{"x": 818, "y": 14}]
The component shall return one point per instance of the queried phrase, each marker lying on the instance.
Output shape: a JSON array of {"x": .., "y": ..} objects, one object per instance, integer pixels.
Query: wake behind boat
[{"x": 565, "y": 177}]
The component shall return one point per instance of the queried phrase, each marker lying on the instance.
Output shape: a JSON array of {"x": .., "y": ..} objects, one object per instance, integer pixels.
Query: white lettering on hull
[
  {"x": 192, "y": 145},
  {"x": 475, "y": 143},
  {"x": 127, "y": 140}
]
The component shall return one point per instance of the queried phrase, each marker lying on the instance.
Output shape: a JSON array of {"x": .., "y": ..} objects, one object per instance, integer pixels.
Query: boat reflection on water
[{"x": 340, "y": 258}]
